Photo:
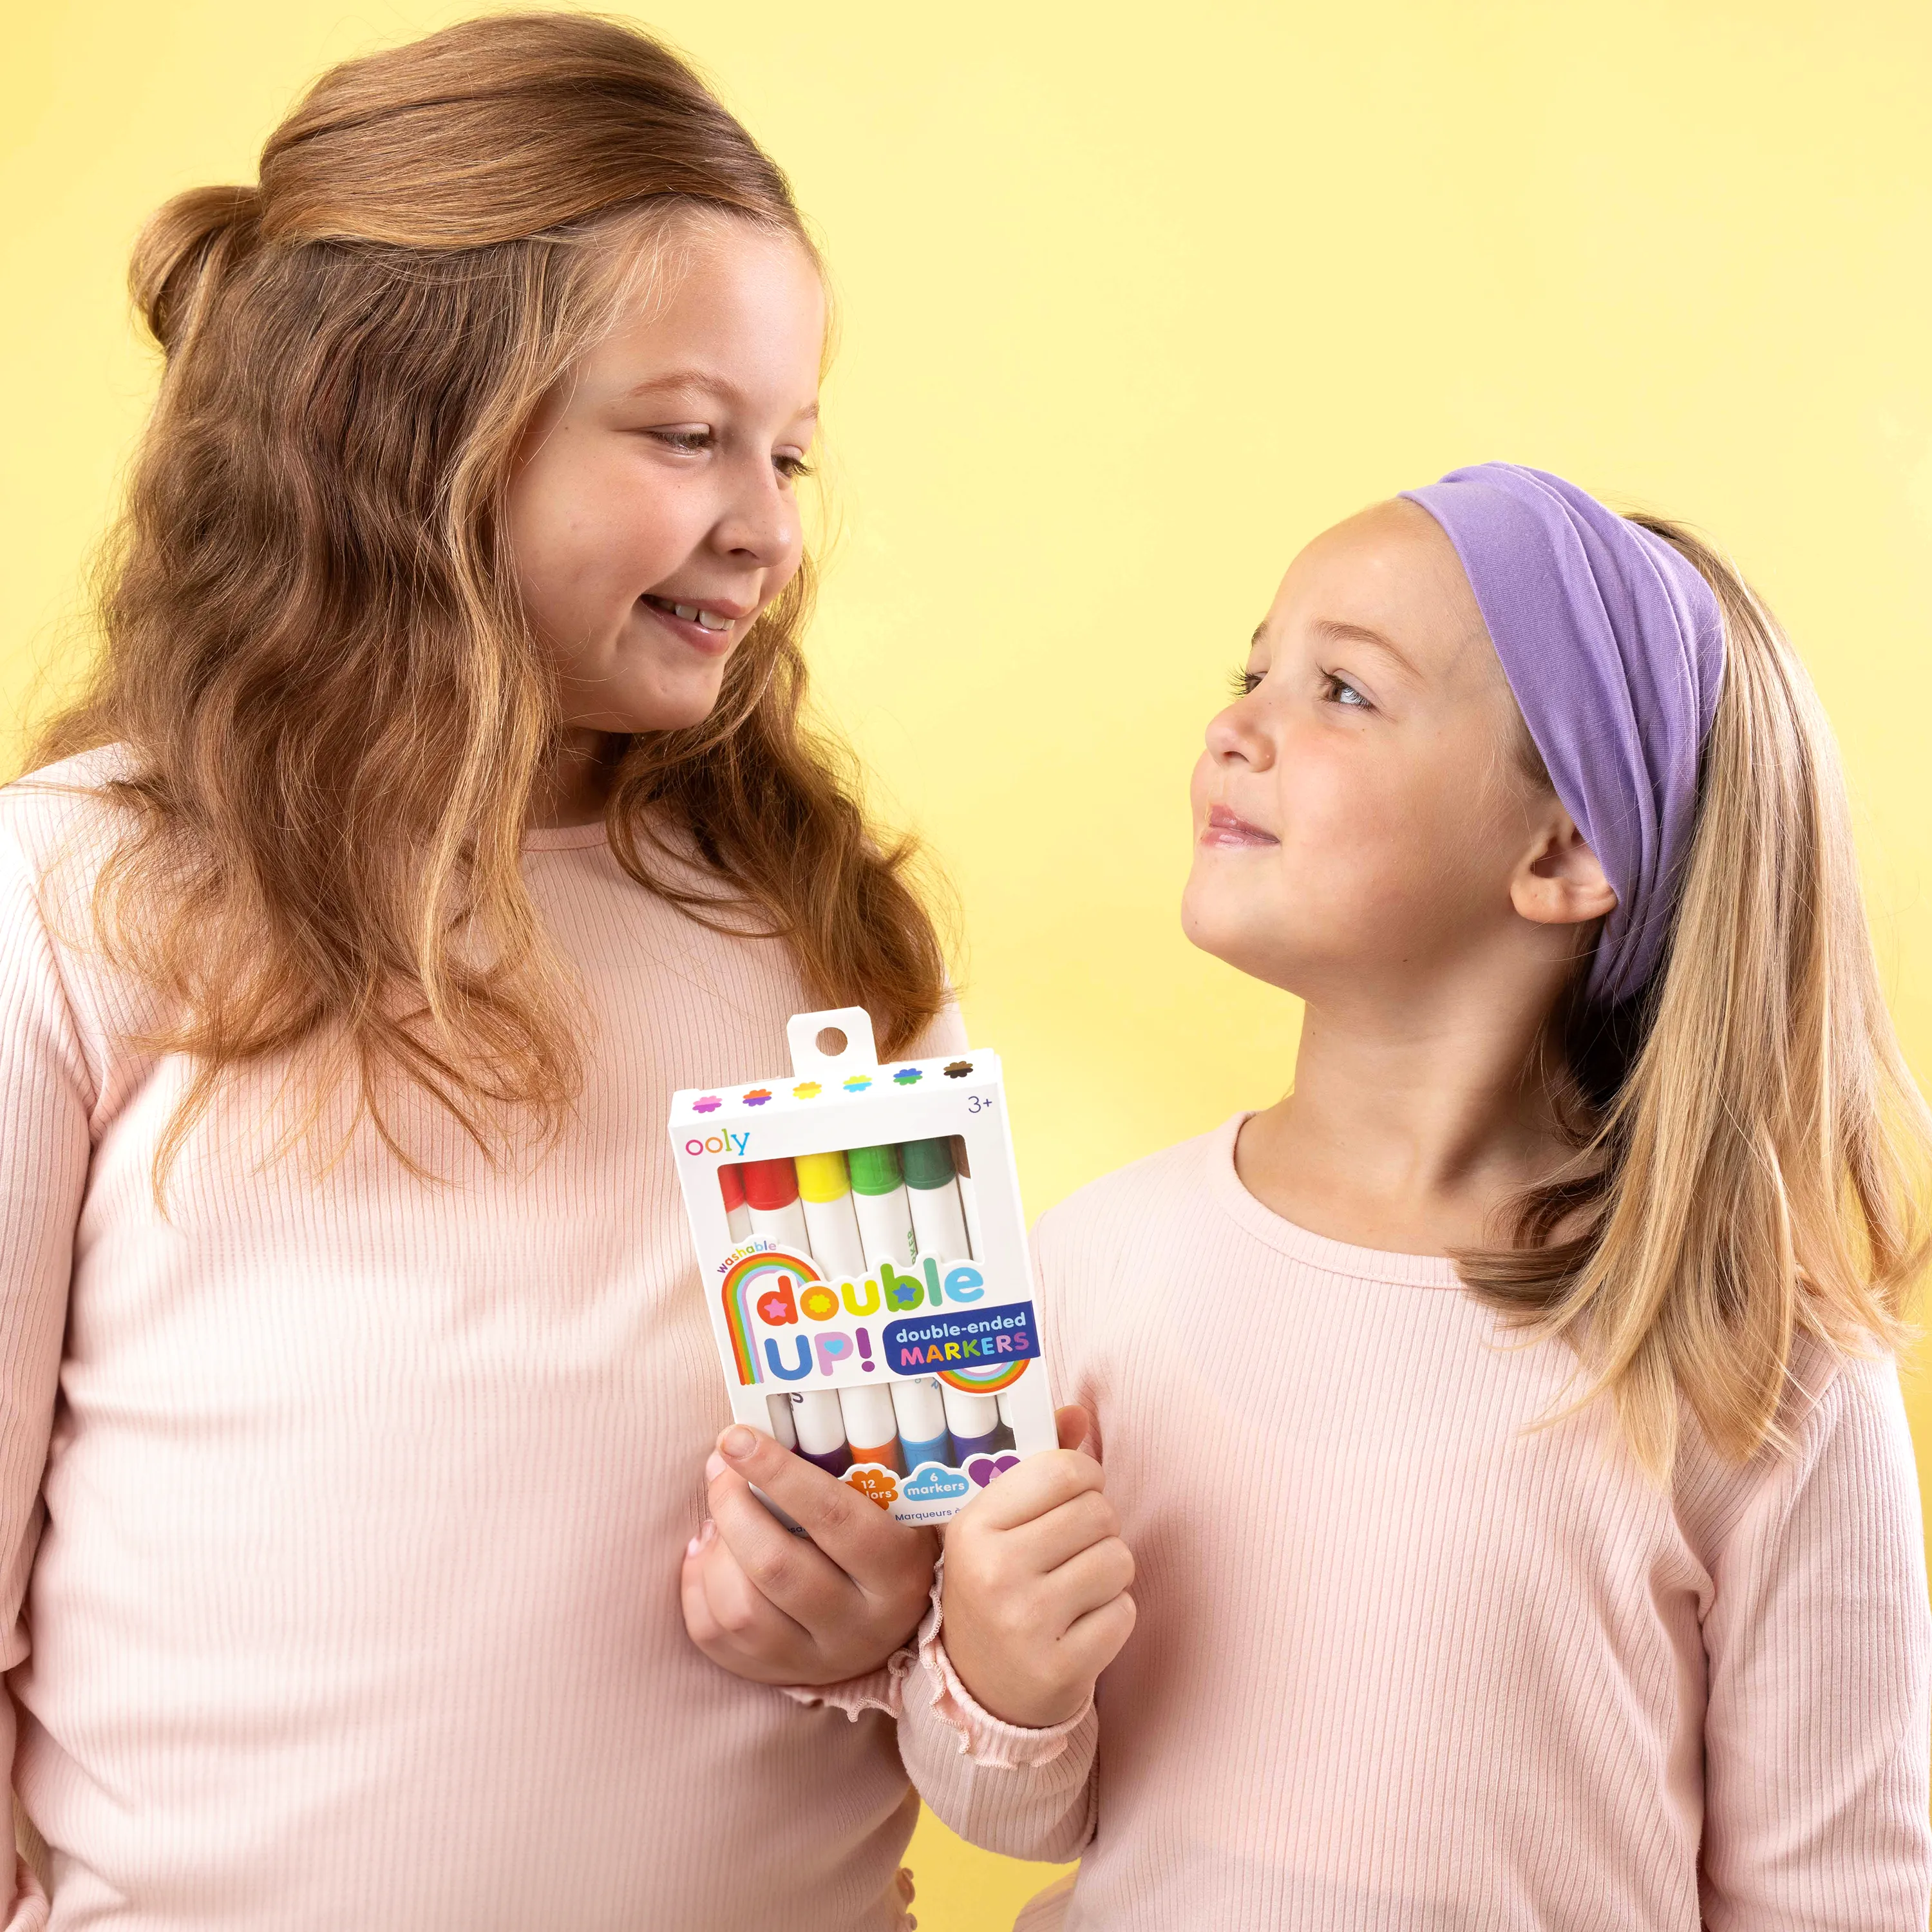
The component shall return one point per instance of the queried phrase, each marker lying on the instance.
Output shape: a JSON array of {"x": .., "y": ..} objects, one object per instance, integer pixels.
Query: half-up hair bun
[{"x": 183, "y": 249}]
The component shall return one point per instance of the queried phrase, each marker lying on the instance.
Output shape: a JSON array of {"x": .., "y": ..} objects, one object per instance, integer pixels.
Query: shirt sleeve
[
  {"x": 1027, "y": 1794},
  {"x": 1819, "y": 1644},
  {"x": 45, "y": 1102}
]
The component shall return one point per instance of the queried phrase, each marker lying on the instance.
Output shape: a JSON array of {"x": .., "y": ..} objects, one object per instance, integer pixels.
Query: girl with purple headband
[{"x": 1508, "y": 1518}]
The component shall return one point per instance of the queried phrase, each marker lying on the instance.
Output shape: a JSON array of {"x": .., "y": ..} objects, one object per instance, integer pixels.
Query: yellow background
[{"x": 1136, "y": 299}]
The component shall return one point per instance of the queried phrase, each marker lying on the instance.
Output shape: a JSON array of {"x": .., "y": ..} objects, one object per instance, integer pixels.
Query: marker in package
[{"x": 864, "y": 1257}]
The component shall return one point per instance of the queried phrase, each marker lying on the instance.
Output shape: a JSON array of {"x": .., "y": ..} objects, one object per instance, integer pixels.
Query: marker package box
[{"x": 864, "y": 1256}]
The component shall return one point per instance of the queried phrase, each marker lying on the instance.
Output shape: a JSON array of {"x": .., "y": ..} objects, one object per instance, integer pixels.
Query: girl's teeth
[{"x": 706, "y": 620}]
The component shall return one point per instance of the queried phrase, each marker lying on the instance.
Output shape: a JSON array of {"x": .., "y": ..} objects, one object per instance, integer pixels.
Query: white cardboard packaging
[{"x": 784, "y": 1326}]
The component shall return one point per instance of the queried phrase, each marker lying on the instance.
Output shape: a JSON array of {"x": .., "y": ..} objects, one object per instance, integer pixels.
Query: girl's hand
[
  {"x": 779, "y": 1608},
  {"x": 1035, "y": 1603}
]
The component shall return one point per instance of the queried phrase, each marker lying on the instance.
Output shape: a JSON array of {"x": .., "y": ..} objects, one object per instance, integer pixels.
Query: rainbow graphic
[
  {"x": 984, "y": 1382},
  {"x": 742, "y": 1282}
]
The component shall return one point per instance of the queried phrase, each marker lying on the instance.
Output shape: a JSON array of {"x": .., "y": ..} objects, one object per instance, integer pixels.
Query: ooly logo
[{"x": 723, "y": 1141}]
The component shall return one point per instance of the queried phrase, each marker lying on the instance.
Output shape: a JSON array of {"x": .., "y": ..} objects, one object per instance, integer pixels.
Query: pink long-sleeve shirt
[
  {"x": 1404, "y": 1662},
  {"x": 340, "y": 1514}
]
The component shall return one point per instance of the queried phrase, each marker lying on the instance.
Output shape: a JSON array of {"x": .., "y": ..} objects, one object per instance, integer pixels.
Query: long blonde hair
[
  {"x": 1752, "y": 1152},
  {"x": 317, "y": 655}
]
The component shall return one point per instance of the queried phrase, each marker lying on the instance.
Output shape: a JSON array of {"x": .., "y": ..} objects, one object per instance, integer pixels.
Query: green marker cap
[
  {"x": 928, "y": 1164},
  {"x": 875, "y": 1170}
]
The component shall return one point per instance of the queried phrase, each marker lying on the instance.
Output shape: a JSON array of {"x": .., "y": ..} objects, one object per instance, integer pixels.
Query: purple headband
[{"x": 1614, "y": 646}]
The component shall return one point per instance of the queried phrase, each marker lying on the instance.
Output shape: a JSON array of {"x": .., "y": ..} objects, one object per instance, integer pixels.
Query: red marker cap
[
  {"x": 769, "y": 1183},
  {"x": 731, "y": 1185}
]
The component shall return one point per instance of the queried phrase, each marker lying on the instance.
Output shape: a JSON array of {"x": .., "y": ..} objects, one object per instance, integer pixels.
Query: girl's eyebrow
[
  {"x": 701, "y": 382},
  {"x": 1334, "y": 631}
]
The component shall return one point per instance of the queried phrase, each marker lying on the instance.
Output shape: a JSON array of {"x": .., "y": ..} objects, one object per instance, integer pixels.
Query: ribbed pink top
[
  {"x": 1402, "y": 1662},
  {"x": 356, "y": 1601}
]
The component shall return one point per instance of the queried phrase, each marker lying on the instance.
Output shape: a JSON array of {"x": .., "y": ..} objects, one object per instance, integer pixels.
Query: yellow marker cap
[{"x": 821, "y": 1177}]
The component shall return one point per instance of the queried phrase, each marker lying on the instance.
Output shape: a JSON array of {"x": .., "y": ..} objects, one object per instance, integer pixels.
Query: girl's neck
[
  {"x": 576, "y": 787},
  {"x": 1409, "y": 1130}
]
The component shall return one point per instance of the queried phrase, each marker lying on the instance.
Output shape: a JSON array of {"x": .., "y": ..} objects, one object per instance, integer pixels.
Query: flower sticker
[
  {"x": 757, "y": 1095},
  {"x": 807, "y": 1089},
  {"x": 906, "y": 1076},
  {"x": 707, "y": 1103},
  {"x": 958, "y": 1069},
  {"x": 858, "y": 1083},
  {"x": 881, "y": 1485}
]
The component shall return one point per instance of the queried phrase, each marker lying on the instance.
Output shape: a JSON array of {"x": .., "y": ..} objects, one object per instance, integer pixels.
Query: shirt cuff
[
  {"x": 880, "y": 1689},
  {"x": 987, "y": 1740}
]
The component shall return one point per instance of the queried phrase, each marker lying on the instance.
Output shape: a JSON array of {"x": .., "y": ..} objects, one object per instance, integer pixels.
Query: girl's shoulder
[
  {"x": 1842, "y": 1432},
  {"x": 64, "y": 809},
  {"x": 1159, "y": 1198}
]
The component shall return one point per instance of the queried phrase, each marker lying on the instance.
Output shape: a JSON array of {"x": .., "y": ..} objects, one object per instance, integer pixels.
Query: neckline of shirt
[
  {"x": 1299, "y": 1243},
  {"x": 563, "y": 838}
]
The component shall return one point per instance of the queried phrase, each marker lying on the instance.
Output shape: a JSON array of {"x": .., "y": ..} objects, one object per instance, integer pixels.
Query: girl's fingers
[
  {"x": 1038, "y": 1485},
  {"x": 790, "y": 1570},
  {"x": 756, "y": 1628},
  {"x": 1052, "y": 1540},
  {"x": 1093, "y": 1579},
  {"x": 700, "y": 1625},
  {"x": 1092, "y": 1641},
  {"x": 854, "y": 1534}
]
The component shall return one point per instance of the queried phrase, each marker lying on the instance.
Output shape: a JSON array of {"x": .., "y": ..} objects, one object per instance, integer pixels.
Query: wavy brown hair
[
  {"x": 1752, "y": 1153},
  {"x": 334, "y": 710}
]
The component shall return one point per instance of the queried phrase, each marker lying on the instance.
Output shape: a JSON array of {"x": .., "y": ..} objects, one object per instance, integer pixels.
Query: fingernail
[
  {"x": 706, "y": 1530},
  {"x": 737, "y": 1443},
  {"x": 714, "y": 1466},
  {"x": 691, "y": 1548}
]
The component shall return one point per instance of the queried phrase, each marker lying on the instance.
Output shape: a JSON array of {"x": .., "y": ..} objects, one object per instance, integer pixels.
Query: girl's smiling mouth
[
  {"x": 1223, "y": 828},
  {"x": 708, "y": 626}
]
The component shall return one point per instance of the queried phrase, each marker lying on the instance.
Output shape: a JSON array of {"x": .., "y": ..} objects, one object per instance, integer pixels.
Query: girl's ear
[{"x": 1559, "y": 881}]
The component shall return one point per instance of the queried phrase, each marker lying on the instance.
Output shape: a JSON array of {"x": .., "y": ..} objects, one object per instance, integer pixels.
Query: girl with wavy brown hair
[{"x": 441, "y": 800}]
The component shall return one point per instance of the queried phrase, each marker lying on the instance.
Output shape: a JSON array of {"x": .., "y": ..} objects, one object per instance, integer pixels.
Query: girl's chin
[{"x": 675, "y": 706}]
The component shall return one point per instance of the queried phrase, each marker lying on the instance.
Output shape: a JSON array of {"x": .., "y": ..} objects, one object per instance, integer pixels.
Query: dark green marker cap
[
  {"x": 928, "y": 1164},
  {"x": 875, "y": 1170}
]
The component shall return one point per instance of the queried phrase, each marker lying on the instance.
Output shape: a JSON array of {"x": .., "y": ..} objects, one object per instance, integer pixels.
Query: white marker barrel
[
  {"x": 922, "y": 1420},
  {"x": 885, "y": 1215},
  {"x": 938, "y": 1220},
  {"x": 821, "y": 1424},
  {"x": 870, "y": 1426},
  {"x": 973, "y": 1421},
  {"x": 969, "y": 1201},
  {"x": 825, "y": 1193},
  {"x": 782, "y": 1431}
]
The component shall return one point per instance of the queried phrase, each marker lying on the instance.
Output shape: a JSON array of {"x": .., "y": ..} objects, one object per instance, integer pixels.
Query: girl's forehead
[
  {"x": 1390, "y": 571},
  {"x": 732, "y": 308}
]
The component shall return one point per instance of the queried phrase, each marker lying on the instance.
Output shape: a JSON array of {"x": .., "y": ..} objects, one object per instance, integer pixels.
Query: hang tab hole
[{"x": 831, "y": 1042}]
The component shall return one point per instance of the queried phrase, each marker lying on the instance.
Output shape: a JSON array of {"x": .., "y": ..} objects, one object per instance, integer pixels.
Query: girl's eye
[
  {"x": 791, "y": 468},
  {"x": 1340, "y": 691},
  {"x": 1245, "y": 681},
  {"x": 690, "y": 441}
]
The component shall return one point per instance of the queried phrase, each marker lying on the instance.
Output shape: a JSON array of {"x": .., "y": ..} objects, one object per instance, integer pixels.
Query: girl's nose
[
  {"x": 1234, "y": 737},
  {"x": 761, "y": 523}
]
